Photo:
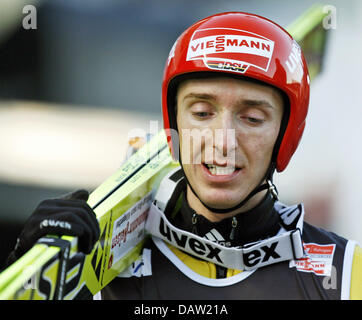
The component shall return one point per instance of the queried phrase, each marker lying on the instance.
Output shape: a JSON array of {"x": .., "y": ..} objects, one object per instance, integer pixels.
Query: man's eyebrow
[
  {"x": 252, "y": 102},
  {"x": 203, "y": 96}
]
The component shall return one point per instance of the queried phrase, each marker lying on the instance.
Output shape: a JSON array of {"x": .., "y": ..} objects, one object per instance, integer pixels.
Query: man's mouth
[{"x": 216, "y": 170}]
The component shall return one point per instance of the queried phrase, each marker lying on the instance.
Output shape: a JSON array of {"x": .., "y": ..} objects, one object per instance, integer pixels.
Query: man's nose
[{"x": 225, "y": 137}]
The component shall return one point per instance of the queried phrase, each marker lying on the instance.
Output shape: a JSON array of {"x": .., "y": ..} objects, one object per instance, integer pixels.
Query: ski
[
  {"x": 310, "y": 31},
  {"x": 54, "y": 269}
]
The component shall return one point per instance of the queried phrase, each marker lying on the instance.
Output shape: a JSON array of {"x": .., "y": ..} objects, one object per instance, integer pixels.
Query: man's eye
[
  {"x": 253, "y": 120},
  {"x": 201, "y": 114}
]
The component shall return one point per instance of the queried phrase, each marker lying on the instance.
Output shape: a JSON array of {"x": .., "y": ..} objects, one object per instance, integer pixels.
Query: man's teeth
[{"x": 219, "y": 171}]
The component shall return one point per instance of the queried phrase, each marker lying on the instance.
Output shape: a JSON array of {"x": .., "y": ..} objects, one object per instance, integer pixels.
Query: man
[{"x": 236, "y": 89}]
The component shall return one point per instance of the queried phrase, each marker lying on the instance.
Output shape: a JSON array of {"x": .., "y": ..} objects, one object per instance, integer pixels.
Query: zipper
[
  {"x": 234, "y": 224},
  {"x": 221, "y": 272},
  {"x": 194, "y": 224}
]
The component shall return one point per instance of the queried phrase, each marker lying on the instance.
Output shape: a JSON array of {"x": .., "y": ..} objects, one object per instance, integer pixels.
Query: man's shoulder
[
  {"x": 350, "y": 257},
  {"x": 293, "y": 216}
]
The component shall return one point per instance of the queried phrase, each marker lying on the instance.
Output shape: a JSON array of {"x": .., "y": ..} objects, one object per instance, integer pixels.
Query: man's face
[{"x": 239, "y": 123}]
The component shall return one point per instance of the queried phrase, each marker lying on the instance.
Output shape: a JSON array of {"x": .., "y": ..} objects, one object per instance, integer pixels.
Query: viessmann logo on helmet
[{"x": 230, "y": 49}]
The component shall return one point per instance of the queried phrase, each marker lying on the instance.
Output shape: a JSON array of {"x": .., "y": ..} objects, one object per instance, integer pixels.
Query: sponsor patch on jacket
[
  {"x": 318, "y": 259},
  {"x": 128, "y": 229},
  {"x": 230, "y": 49}
]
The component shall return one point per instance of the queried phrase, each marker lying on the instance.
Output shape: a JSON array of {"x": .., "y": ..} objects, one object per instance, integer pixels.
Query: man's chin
[{"x": 221, "y": 204}]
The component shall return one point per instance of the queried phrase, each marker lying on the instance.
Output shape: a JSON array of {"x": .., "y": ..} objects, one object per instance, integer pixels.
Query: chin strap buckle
[{"x": 273, "y": 190}]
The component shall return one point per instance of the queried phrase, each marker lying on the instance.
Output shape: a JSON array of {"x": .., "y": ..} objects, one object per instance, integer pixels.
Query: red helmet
[{"x": 245, "y": 45}]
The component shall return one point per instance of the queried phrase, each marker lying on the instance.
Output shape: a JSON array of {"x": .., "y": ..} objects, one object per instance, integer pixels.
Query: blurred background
[{"x": 73, "y": 88}]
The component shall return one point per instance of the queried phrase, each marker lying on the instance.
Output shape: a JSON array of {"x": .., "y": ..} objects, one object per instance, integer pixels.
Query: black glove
[{"x": 69, "y": 215}]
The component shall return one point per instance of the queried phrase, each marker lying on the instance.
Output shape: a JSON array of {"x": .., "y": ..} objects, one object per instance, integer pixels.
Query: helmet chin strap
[{"x": 269, "y": 185}]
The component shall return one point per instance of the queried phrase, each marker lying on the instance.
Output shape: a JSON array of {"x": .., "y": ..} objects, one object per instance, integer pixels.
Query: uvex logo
[
  {"x": 251, "y": 257},
  {"x": 187, "y": 242},
  {"x": 260, "y": 255}
]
